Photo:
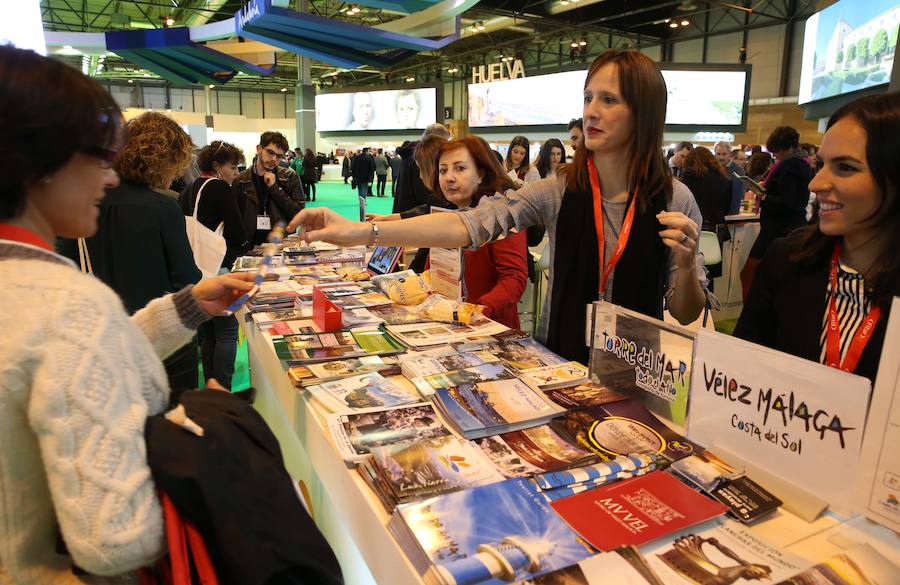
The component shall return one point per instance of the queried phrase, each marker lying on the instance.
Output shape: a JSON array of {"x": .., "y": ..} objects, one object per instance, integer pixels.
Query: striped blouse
[{"x": 853, "y": 303}]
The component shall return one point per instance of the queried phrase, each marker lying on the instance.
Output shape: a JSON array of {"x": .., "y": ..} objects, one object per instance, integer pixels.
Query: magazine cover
[
  {"x": 532, "y": 451},
  {"x": 620, "y": 428},
  {"x": 557, "y": 375},
  {"x": 481, "y": 408},
  {"x": 635, "y": 511},
  {"x": 860, "y": 565},
  {"x": 361, "y": 393},
  {"x": 356, "y": 434},
  {"x": 448, "y": 531},
  {"x": 432, "y": 333},
  {"x": 589, "y": 394},
  {"x": 623, "y": 566},
  {"x": 418, "y": 367},
  {"x": 431, "y": 466},
  {"x": 519, "y": 353},
  {"x": 721, "y": 549},
  {"x": 376, "y": 341}
]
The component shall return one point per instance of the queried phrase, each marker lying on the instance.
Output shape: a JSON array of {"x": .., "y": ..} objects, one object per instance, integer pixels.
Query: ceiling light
[
  {"x": 146, "y": 75},
  {"x": 673, "y": 25},
  {"x": 169, "y": 21},
  {"x": 211, "y": 86},
  {"x": 574, "y": 44},
  {"x": 130, "y": 81},
  {"x": 563, "y": 2},
  {"x": 410, "y": 79},
  {"x": 582, "y": 43},
  {"x": 283, "y": 89},
  {"x": 479, "y": 25},
  {"x": 685, "y": 22}
]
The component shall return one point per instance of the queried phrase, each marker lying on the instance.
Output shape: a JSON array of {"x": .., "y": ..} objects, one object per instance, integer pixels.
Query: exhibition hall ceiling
[{"x": 540, "y": 32}]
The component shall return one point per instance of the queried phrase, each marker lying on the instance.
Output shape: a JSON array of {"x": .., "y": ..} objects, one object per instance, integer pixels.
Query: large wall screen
[
  {"x": 697, "y": 97},
  {"x": 847, "y": 47},
  {"x": 376, "y": 110}
]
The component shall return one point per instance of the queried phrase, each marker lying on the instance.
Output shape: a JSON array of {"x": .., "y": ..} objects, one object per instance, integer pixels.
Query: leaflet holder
[{"x": 326, "y": 315}]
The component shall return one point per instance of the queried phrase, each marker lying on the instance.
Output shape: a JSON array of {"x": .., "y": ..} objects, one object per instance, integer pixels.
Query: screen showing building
[
  {"x": 847, "y": 47},
  {"x": 696, "y": 97},
  {"x": 376, "y": 110}
]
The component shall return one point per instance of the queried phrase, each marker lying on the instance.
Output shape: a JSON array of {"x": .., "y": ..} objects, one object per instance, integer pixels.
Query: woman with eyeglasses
[
  {"x": 824, "y": 292},
  {"x": 217, "y": 205},
  {"x": 619, "y": 227},
  {"x": 79, "y": 377}
]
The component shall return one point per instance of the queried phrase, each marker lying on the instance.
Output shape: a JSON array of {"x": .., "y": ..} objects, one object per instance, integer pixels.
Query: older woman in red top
[{"x": 495, "y": 274}]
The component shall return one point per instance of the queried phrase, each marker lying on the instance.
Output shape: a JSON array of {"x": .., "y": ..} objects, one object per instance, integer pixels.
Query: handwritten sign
[
  {"x": 633, "y": 351},
  {"x": 800, "y": 420}
]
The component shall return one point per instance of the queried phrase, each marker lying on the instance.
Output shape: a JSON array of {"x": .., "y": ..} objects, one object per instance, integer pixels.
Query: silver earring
[{"x": 47, "y": 180}]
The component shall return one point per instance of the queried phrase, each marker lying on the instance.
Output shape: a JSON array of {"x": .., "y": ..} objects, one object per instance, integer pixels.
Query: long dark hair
[
  {"x": 493, "y": 176},
  {"x": 644, "y": 90},
  {"x": 543, "y": 160},
  {"x": 48, "y": 112},
  {"x": 879, "y": 115},
  {"x": 526, "y": 160}
]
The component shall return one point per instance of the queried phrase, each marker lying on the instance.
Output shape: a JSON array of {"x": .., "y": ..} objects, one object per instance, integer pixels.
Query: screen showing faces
[
  {"x": 696, "y": 97},
  {"x": 847, "y": 47},
  {"x": 376, "y": 110}
]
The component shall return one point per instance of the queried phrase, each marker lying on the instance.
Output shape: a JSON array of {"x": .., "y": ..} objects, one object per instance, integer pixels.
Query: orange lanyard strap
[
  {"x": 605, "y": 271},
  {"x": 833, "y": 334}
]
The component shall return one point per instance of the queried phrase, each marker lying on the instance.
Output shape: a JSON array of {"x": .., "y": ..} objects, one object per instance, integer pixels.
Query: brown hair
[
  {"x": 218, "y": 152},
  {"x": 424, "y": 155},
  {"x": 700, "y": 160},
  {"x": 758, "y": 165},
  {"x": 525, "y": 165},
  {"x": 493, "y": 176},
  {"x": 644, "y": 90},
  {"x": 157, "y": 150}
]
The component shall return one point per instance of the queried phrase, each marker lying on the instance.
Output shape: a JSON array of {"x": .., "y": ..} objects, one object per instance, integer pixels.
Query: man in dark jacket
[
  {"x": 410, "y": 191},
  {"x": 396, "y": 162},
  {"x": 363, "y": 169},
  {"x": 267, "y": 192}
]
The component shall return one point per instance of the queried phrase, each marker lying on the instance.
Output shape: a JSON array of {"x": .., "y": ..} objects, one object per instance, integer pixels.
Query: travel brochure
[
  {"x": 533, "y": 450},
  {"x": 363, "y": 393},
  {"x": 310, "y": 347},
  {"x": 355, "y": 434},
  {"x": 312, "y": 374},
  {"x": 446, "y": 536},
  {"x": 420, "y": 335}
]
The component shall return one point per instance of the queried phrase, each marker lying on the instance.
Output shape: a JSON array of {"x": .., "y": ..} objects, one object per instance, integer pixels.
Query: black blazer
[
  {"x": 786, "y": 305},
  {"x": 141, "y": 249}
]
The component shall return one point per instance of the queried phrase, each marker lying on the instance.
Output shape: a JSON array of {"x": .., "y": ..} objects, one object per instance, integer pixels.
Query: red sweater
[{"x": 495, "y": 277}]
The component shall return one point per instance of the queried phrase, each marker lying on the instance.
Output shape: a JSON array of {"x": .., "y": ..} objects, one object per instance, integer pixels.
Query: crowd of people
[{"x": 87, "y": 358}]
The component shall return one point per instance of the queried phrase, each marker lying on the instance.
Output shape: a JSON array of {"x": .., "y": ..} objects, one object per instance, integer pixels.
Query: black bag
[
  {"x": 232, "y": 485},
  {"x": 353, "y": 183}
]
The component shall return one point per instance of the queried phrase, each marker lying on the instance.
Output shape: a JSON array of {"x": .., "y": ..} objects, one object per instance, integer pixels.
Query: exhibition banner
[
  {"x": 376, "y": 110},
  {"x": 799, "y": 420},
  {"x": 643, "y": 357}
]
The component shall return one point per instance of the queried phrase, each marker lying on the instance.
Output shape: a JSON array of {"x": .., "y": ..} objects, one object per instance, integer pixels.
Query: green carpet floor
[
  {"x": 343, "y": 200},
  {"x": 340, "y": 198}
]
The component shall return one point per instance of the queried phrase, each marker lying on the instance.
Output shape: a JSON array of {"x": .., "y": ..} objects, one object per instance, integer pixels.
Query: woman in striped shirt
[{"x": 824, "y": 292}]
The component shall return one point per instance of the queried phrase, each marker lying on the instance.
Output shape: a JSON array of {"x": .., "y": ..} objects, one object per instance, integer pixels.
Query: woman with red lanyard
[
  {"x": 619, "y": 227},
  {"x": 823, "y": 292}
]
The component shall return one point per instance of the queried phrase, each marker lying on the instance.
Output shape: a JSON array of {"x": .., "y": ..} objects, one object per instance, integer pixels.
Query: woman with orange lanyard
[
  {"x": 647, "y": 224},
  {"x": 824, "y": 292}
]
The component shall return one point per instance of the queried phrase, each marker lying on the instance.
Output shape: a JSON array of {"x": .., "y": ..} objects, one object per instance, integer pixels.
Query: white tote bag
[{"x": 208, "y": 245}]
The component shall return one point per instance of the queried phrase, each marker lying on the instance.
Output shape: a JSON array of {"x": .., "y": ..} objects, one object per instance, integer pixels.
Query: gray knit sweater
[{"x": 78, "y": 378}]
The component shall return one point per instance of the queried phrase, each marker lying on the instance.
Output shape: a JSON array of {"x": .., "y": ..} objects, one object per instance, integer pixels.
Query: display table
[{"x": 354, "y": 521}]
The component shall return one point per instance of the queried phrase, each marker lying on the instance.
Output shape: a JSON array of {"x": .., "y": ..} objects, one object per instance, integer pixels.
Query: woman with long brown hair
[
  {"x": 518, "y": 161},
  {"x": 619, "y": 227}
]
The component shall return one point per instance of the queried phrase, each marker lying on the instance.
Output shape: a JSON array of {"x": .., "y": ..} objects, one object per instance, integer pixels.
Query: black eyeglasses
[
  {"x": 105, "y": 155},
  {"x": 274, "y": 154}
]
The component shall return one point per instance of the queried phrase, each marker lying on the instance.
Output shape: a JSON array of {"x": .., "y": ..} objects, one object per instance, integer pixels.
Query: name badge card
[
  {"x": 263, "y": 222},
  {"x": 797, "y": 419}
]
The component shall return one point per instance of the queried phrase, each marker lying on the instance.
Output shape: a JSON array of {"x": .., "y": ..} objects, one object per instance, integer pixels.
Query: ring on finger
[{"x": 684, "y": 239}]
